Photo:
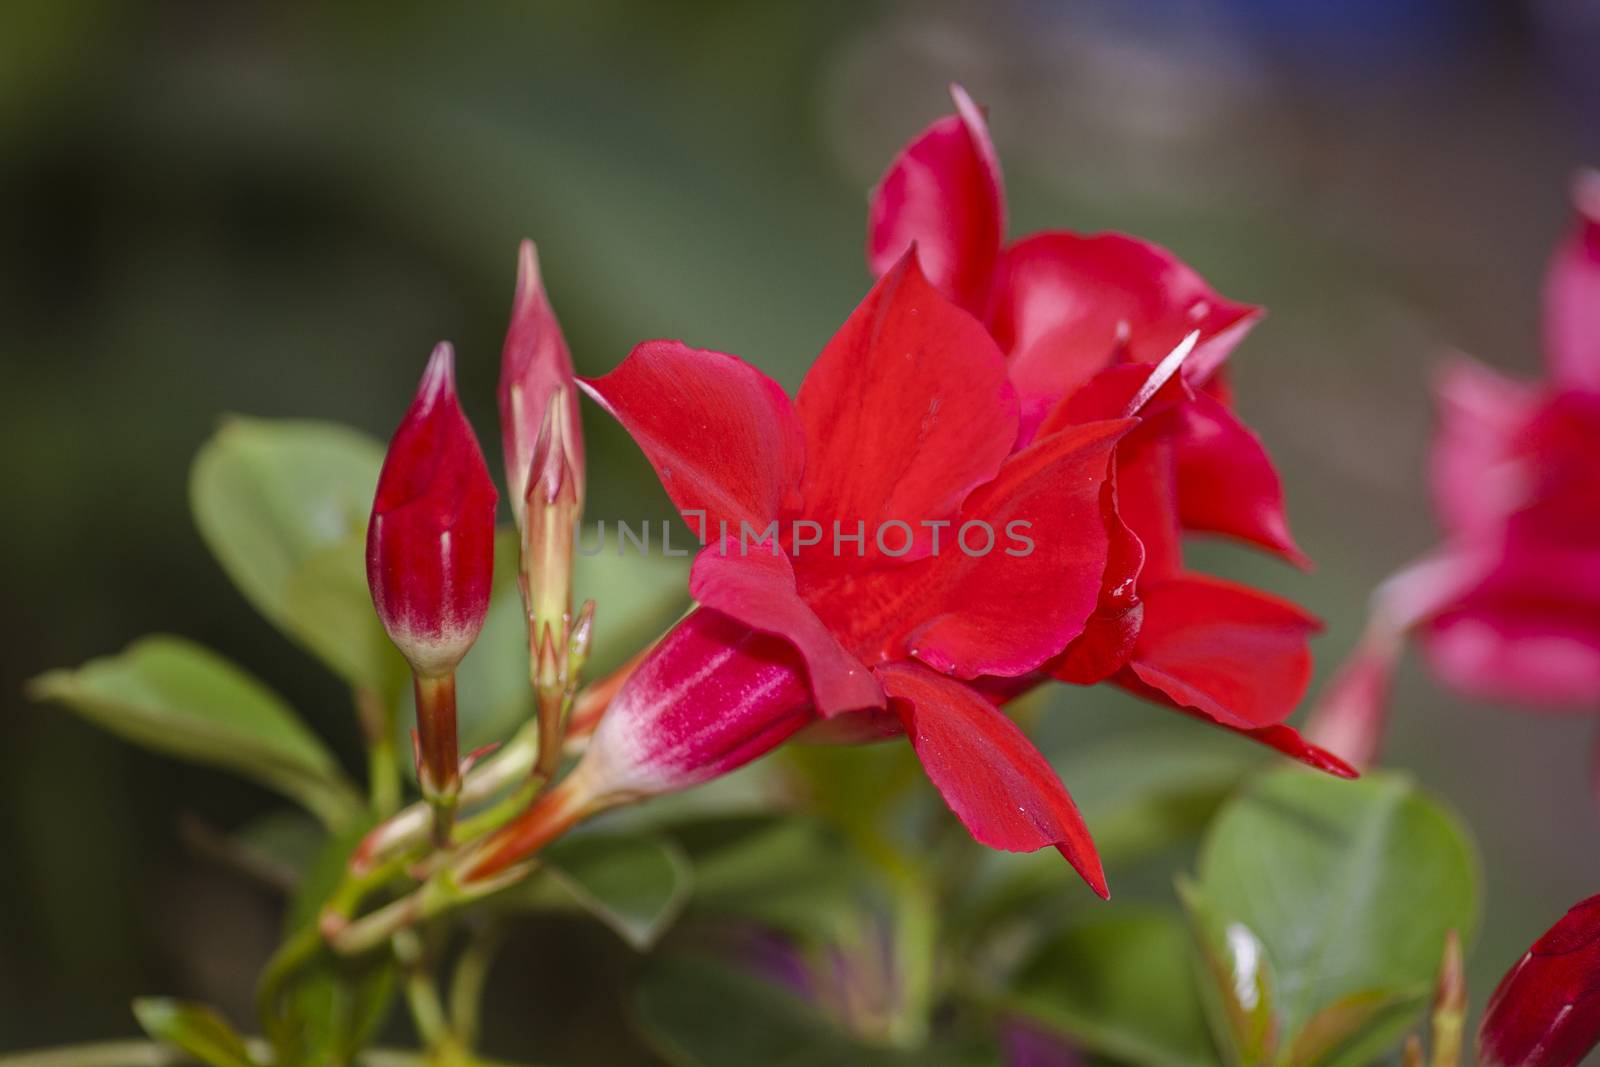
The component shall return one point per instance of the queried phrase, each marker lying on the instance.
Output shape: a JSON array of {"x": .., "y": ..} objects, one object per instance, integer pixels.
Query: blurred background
[{"x": 278, "y": 209}]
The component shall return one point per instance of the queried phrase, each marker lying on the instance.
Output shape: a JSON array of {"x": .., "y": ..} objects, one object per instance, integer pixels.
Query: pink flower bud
[
  {"x": 430, "y": 544},
  {"x": 1546, "y": 1011},
  {"x": 534, "y": 364}
]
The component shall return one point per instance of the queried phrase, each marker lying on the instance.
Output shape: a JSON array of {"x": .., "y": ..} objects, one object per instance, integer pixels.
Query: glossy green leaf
[
  {"x": 1236, "y": 983},
  {"x": 1118, "y": 984},
  {"x": 700, "y": 1013},
  {"x": 1355, "y": 1031},
  {"x": 792, "y": 873},
  {"x": 1351, "y": 888},
  {"x": 636, "y": 885},
  {"x": 283, "y": 505},
  {"x": 195, "y": 1028},
  {"x": 178, "y": 698}
]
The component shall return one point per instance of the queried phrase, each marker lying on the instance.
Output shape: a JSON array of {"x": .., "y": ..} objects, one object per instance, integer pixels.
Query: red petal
[
  {"x": 721, "y": 435},
  {"x": 987, "y": 770},
  {"x": 1008, "y": 610},
  {"x": 1067, "y": 306},
  {"x": 1546, "y": 1010},
  {"x": 943, "y": 194},
  {"x": 1236, "y": 654},
  {"x": 906, "y": 410},
  {"x": 533, "y": 364},
  {"x": 755, "y": 585},
  {"x": 709, "y": 698},
  {"x": 1226, "y": 482},
  {"x": 1108, "y": 637},
  {"x": 1572, "y": 295},
  {"x": 430, "y": 541}
]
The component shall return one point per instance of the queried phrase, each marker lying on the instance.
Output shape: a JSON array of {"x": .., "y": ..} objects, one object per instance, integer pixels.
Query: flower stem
[
  {"x": 383, "y": 772},
  {"x": 438, "y": 758}
]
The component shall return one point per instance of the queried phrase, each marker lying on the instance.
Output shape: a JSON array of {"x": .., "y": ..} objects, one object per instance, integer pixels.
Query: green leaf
[
  {"x": 1119, "y": 985},
  {"x": 1351, "y": 888},
  {"x": 636, "y": 885},
  {"x": 283, "y": 505},
  {"x": 194, "y": 1028},
  {"x": 1236, "y": 982},
  {"x": 699, "y": 1013},
  {"x": 178, "y": 698},
  {"x": 792, "y": 873}
]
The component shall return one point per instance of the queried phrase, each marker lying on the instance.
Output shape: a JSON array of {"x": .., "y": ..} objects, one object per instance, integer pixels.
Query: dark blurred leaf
[
  {"x": 635, "y": 885},
  {"x": 1351, "y": 888},
  {"x": 178, "y": 698},
  {"x": 1118, "y": 985},
  {"x": 194, "y": 1028},
  {"x": 699, "y": 1013},
  {"x": 283, "y": 504},
  {"x": 1236, "y": 983}
]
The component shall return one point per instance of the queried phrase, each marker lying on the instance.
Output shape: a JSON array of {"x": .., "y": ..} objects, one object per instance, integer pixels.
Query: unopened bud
[
  {"x": 430, "y": 541},
  {"x": 535, "y": 363},
  {"x": 552, "y": 504}
]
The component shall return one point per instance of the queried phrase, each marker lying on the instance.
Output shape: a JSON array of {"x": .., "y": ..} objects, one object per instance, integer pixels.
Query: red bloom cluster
[
  {"x": 1063, "y": 385},
  {"x": 1509, "y": 606}
]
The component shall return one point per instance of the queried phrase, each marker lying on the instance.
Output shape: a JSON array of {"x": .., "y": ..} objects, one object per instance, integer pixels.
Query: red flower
[
  {"x": 1546, "y": 1010},
  {"x": 430, "y": 542},
  {"x": 1082, "y": 319},
  {"x": 1508, "y": 608},
  {"x": 1021, "y": 399}
]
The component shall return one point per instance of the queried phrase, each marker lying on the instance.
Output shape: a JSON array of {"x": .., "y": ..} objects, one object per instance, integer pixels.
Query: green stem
[
  {"x": 291, "y": 956},
  {"x": 422, "y": 996},
  {"x": 470, "y": 980},
  {"x": 383, "y": 770}
]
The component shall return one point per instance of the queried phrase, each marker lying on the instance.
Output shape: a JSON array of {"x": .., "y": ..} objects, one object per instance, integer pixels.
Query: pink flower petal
[
  {"x": 1476, "y": 480},
  {"x": 1068, "y": 306},
  {"x": 710, "y": 697},
  {"x": 1008, "y": 610},
  {"x": 989, "y": 773},
  {"x": 721, "y": 435},
  {"x": 1234, "y": 653},
  {"x": 1546, "y": 1010},
  {"x": 1353, "y": 709},
  {"x": 755, "y": 585},
  {"x": 944, "y": 195},
  {"x": 1226, "y": 482},
  {"x": 1572, "y": 295},
  {"x": 905, "y": 412}
]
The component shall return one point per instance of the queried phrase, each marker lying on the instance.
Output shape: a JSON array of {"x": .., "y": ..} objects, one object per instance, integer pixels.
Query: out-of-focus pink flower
[
  {"x": 1508, "y": 608},
  {"x": 430, "y": 542},
  {"x": 1546, "y": 1010}
]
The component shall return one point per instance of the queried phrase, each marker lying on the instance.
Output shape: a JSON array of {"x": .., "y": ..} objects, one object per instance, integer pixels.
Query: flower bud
[
  {"x": 430, "y": 543},
  {"x": 552, "y": 505},
  {"x": 534, "y": 364},
  {"x": 709, "y": 698}
]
